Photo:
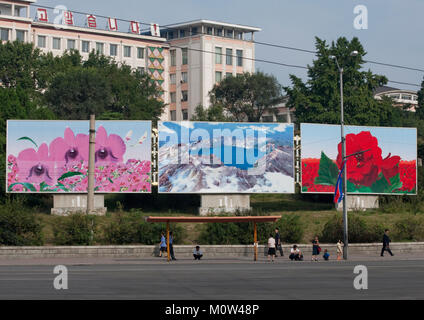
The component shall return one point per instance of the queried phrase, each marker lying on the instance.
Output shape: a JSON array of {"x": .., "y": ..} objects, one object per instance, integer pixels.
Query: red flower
[
  {"x": 310, "y": 169},
  {"x": 408, "y": 175},
  {"x": 390, "y": 167},
  {"x": 363, "y": 168}
]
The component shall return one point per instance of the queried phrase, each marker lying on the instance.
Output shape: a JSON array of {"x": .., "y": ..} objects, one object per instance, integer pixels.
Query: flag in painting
[{"x": 338, "y": 193}]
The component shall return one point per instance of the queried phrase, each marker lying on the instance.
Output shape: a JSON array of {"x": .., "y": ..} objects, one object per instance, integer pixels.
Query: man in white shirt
[
  {"x": 271, "y": 248},
  {"x": 296, "y": 254},
  {"x": 197, "y": 253}
]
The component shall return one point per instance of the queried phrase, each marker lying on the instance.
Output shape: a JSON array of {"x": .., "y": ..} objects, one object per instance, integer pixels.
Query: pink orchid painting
[{"x": 61, "y": 166}]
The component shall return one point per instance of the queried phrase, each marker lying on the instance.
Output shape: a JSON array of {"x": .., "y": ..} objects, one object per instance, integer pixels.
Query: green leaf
[
  {"x": 43, "y": 186},
  {"x": 27, "y": 186},
  {"x": 328, "y": 171},
  {"x": 28, "y": 139},
  {"x": 70, "y": 174},
  {"x": 396, "y": 183},
  {"x": 351, "y": 187},
  {"x": 304, "y": 189}
]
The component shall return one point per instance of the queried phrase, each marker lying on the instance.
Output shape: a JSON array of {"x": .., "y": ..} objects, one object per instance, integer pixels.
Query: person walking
[
  {"x": 386, "y": 243},
  {"x": 271, "y": 248},
  {"x": 171, "y": 247},
  {"x": 162, "y": 244},
  {"x": 339, "y": 250},
  {"x": 278, "y": 244},
  {"x": 315, "y": 249}
]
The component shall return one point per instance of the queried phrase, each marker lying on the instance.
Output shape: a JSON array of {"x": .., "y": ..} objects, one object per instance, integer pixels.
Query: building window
[
  {"x": 239, "y": 35},
  {"x": 229, "y": 57},
  {"x": 173, "y": 97},
  {"x": 41, "y": 41},
  {"x": 113, "y": 50},
  {"x": 56, "y": 43},
  {"x": 184, "y": 97},
  {"x": 85, "y": 46},
  {"x": 228, "y": 74},
  {"x": 184, "y": 52},
  {"x": 182, "y": 33},
  {"x": 210, "y": 31},
  {"x": 170, "y": 35},
  {"x": 406, "y": 97},
  {"x": 141, "y": 70},
  {"x": 229, "y": 33},
  {"x": 20, "y": 35},
  {"x": 185, "y": 114},
  {"x": 100, "y": 47},
  {"x": 4, "y": 34},
  {"x": 239, "y": 58},
  {"x": 71, "y": 44},
  {"x": 173, "y": 78},
  {"x": 218, "y": 55},
  {"x": 194, "y": 31},
  {"x": 173, "y": 54},
  {"x": 173, "y": 115},
  {"x": 218, "y": 32},
  {"x": 218, "y": 76},
  {"x": 268, "y": 119},
  {"x": 140, "y": 53},
  {"x": 184, "y": 77},
  {"x": 282, "y": 118},
  {"x": 127, "y": 51}
]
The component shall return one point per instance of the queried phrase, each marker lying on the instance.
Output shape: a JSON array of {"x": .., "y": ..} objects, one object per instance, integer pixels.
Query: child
[
  {"x": 339, "y": 250},
  {"x": 326, "y": 255}
]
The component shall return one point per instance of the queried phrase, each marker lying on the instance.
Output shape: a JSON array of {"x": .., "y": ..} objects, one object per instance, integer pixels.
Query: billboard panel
[
  {"x": 206, "y": 157},
  {"x": 52, "y": 156},
  {"x": 381, "y": 160}
]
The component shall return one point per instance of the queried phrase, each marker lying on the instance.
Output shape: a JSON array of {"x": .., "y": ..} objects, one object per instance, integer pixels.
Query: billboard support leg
[{"x": 91, "y": 164}]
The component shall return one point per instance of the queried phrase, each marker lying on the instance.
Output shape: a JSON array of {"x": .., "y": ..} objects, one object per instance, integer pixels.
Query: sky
[
  {"x": 395, "y": 141},
  {"x": 394, "y": 34},
  {"x": 40, "y": 133}
]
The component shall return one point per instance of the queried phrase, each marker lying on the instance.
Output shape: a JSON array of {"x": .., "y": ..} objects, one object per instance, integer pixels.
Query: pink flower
[
  {"x": 109, "y": 149},
  {"x": 11, "y": 159},
  {"x": 36, "y": 166},
  {"x": 70, "y": 149}
]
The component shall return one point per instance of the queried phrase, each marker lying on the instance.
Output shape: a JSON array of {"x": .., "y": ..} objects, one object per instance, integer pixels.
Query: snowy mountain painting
[{"x": 207, "y": 157}]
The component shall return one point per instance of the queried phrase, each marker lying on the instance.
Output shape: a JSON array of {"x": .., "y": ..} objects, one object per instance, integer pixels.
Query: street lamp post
[{"x": 343, "y": 140}]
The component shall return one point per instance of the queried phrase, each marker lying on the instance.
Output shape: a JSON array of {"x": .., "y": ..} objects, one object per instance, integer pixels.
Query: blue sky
[
  {"x": 397, "y": 141},
  {"x": 393, "y": 35},
  {"x": 46, "y": 131}
]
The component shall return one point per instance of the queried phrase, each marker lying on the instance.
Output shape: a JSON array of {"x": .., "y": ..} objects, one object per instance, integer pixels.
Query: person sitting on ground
[
  {"x": 197, "y": 253},
  {"x": 326, "y": 255},
  {"x": 296, "y": 254}
]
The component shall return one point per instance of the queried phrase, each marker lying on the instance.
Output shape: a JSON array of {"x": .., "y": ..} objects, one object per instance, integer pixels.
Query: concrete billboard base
[
  {"x": 360, "y": 203},
  {"x": 67, "y": 204},
  {"x": 225, "y": 203}
]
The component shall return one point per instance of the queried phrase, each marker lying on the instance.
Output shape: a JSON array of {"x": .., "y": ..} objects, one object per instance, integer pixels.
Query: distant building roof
[{"x": 213, "y": 23}]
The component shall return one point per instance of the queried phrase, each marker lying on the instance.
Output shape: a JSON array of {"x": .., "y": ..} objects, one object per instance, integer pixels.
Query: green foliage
[
  {"x": 131, "y": 228},
  {"x": 247, "y": 96},
  {"x": 420, "y": 108},
  {"x": 18, "y": 226},
  {"x": 213, "y": 113},
  {"x": 291, "y": 229},
  {"x": 328, "y": 171},
  {"x": 359, "y": 230},
  {"x": 318, "y": 100},
  {"x": 410, "y": 228},
  {"x": 78, "y": 229}
]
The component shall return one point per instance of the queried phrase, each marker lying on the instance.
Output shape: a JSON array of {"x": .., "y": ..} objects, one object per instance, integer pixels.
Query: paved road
[{"x": 217, "y": 279}]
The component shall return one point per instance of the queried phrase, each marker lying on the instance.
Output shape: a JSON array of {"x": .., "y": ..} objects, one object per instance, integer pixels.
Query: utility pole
[{"x": 91, "y": 165}]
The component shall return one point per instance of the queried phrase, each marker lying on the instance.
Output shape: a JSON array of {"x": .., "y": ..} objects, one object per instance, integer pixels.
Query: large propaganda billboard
[
  {"x": 52, "y": 156},
  {"x": 381, "y": 160},
  {"x": 206, "y": 157}
]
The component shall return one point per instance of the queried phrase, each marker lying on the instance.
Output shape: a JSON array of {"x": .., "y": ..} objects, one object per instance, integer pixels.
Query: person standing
[
  {"x": 315, "y": 249},
  {"x": 278, "y": 244},
  {"x": 171, "y": 247},
  {"x": 162, "y": 244},
  {"x": 271, "y": 248},
  {"x": 339, "y": 250},
  {"x": 386, "y": 243}
]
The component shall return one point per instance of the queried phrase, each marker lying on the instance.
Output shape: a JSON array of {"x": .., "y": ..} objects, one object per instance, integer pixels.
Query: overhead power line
[{"x": 169, "y": 27}]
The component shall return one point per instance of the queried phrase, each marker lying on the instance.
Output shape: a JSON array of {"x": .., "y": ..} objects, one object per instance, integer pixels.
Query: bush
[
  {"x": 130, "y": 228},
  {"x": 291, "y": 229},
  {"x": 77, "y": 229},
  {"x": 358, "y": 230},
  {"x": 18, "y": 226},
  {"x": 410, "y": 228}
]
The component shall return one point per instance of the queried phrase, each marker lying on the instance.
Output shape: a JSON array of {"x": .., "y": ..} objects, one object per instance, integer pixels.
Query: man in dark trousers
[
  {"x": 386, "y": 243},
  {"x": 171, "y": 247},
  {"x": 278, "y": 244}
]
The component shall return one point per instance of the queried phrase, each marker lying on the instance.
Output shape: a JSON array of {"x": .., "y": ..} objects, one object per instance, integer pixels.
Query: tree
[
  {"x": 247, "y": 96},
  {"x": 101, "y": 86},
  {"x": 318, "y": 99},
  {"x": 420, "y": 108},
  {"x": 213, "y": 113}
]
